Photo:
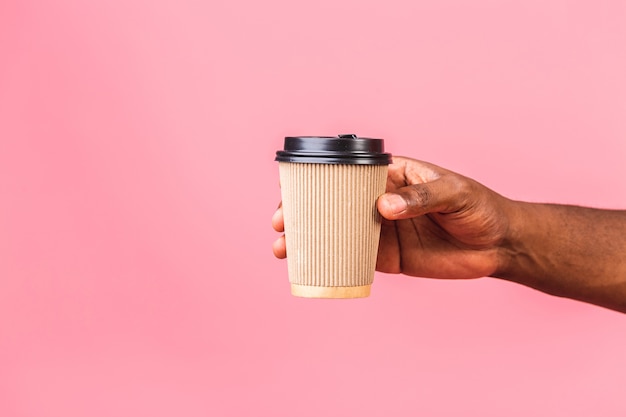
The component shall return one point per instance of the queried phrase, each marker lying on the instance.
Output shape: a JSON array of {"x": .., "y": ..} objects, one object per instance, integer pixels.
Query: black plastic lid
[{"x": 342, "y": 149}]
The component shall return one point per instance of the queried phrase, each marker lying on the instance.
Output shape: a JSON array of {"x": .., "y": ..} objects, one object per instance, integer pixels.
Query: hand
[
  {"x": 439, "y": 224},
  {"x": 435, "y": 223}
]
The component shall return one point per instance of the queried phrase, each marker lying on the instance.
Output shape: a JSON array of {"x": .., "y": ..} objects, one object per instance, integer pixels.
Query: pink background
[{"x": 137, "y": 184}]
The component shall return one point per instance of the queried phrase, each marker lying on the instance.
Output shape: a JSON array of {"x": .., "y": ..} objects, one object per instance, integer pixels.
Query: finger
[
  {"x": 388, "y": 259},
  {"x": 280, "y": 248},
  {"x": 404, "y": 171},
  {"x": 444, "y": 195},
  {"x": 278, "y": 222}
]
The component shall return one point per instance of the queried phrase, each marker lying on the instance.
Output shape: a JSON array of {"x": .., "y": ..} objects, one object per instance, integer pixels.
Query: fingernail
[{"x": 395, "y": 203}]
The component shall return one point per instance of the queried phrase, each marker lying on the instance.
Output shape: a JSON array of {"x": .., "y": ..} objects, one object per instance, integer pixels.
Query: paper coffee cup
[{"x": 329, "y": 188}]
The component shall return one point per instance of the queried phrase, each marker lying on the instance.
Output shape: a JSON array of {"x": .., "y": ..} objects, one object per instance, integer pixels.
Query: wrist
[{"x": 513, "y": 253}]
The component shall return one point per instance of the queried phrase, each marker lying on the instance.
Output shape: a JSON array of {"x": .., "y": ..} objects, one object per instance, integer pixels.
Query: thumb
[{"x": 443, "y": 195}]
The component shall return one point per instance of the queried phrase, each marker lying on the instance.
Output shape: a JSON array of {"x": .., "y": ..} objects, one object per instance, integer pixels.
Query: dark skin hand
[{"x": 440, "y": 224}]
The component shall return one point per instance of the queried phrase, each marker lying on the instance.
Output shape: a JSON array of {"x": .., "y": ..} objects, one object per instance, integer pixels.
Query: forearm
[{"x": 569, "y": 251}]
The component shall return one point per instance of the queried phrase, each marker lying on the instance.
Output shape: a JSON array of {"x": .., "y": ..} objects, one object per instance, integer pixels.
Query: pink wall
[{"x": 137, "y": 184}]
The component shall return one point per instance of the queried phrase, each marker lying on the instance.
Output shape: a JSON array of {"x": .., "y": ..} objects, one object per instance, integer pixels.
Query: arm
[
  {"x": 568, "y": 251},
  {"x": 443, "y": 225}
]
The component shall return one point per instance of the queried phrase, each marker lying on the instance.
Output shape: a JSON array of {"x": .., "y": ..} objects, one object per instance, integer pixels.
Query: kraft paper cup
[{"x": 329, "y": 188}]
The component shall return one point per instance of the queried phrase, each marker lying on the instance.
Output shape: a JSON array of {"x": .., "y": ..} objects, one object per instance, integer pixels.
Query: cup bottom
[{"x": 310, "y": 291}]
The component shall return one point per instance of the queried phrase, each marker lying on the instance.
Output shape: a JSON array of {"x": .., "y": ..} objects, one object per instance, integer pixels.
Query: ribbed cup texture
[{"x": 332, "y": 227}]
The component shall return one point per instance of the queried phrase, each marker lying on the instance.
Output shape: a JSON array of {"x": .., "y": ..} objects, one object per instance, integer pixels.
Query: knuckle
[
  {"x": 460, "y": 186},
  {"x": 462, "y": 191},
  {"x": 420, "y": 196}
]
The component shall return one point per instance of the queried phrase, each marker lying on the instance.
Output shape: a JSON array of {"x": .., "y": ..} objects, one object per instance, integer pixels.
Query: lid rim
[{"x": 343, "y": 149}]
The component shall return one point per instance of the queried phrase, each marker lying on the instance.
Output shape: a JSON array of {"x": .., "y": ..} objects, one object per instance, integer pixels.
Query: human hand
[
  {"x": 439, "y": 224},
  {"x": 436, "y": 223}
]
